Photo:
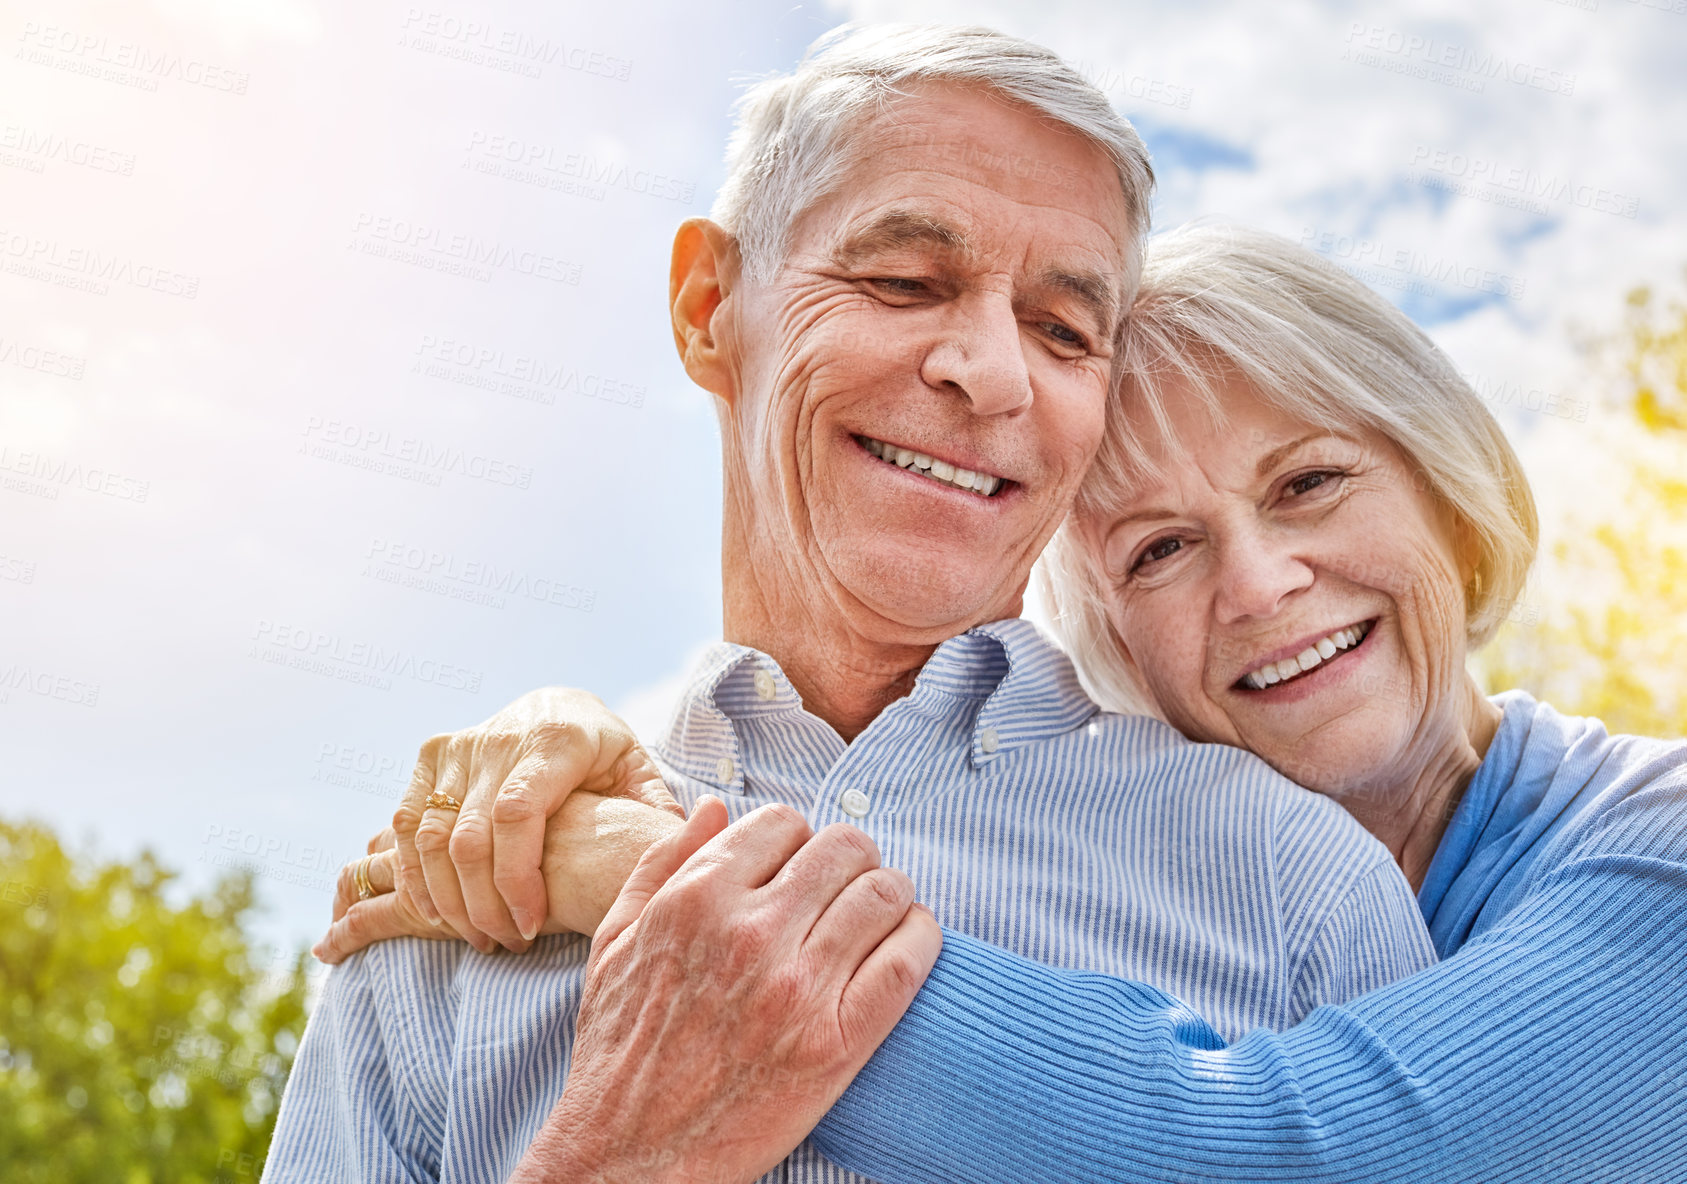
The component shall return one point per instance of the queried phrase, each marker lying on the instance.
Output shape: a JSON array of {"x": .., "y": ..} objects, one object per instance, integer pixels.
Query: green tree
[
  {"x": 140, "y": 1041},
  {"x": 1605, "y": 633}
]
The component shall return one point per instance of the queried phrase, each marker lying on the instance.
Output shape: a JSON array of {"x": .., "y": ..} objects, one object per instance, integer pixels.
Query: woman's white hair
[
  {"x": 1219, "y": 302},
  {"x": 795, "y": 135}
]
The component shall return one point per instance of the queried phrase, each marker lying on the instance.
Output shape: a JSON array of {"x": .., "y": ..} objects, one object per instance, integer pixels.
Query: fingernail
[{"x": 525, "y": 923}]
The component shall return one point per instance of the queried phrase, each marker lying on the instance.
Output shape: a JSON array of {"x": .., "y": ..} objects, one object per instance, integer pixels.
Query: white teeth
[
  {"x": 937, "y": 470},
  {"x": 1313, "y": 655}
]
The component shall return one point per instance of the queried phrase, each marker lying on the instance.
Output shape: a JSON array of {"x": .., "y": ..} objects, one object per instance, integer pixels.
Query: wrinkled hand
[
  {"x": 739, "y": 983},
  {"x": 358, "y": 922},
  {"x": 592, "y": 845},
  {"x": 477, "y": 870}
]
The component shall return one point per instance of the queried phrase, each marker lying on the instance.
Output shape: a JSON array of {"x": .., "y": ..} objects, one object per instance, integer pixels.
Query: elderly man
[{"x": 905, "y": 309}]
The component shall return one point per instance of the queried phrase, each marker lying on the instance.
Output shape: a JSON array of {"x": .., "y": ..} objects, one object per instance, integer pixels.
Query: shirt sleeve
[
  {"x": 346, "y": 1114},
  {"x": 1376, "y": 936},
  {"x": 1553, "y": 1046}
]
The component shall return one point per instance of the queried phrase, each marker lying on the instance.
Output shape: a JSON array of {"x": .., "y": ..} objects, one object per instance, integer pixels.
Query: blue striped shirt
[
  {"x": 1026, "y": 818},
  {"x": 1549, "y": 1045}
]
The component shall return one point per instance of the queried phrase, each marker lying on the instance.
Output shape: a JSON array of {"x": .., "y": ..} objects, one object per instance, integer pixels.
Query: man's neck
[
  {"x": 846, "y": 664},
  {"x": 845, "y": 680}
]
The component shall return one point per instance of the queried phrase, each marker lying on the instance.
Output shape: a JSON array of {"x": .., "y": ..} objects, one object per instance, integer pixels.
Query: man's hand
[
  {"x": 739, "y": 983},
  {"x": 592, "y": 845},
  {"x": 476, "y": 869}
]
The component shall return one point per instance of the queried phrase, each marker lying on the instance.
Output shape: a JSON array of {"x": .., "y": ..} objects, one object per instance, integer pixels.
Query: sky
[{"x": 338, "y": 407}]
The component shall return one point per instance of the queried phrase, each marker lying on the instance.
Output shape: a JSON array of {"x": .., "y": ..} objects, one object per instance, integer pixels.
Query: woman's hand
[
  {"x": 592, "y": 845},
  {"x": 474, "y": 867},
  {"x": 359, "y": 919}
]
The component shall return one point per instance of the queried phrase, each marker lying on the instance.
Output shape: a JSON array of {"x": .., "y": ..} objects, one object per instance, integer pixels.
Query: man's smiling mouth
[{"x": 942, "y": 472}]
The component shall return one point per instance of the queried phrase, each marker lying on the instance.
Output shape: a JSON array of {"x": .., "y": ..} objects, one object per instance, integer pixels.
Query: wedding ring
[
  {"x": 443, "y": 801},
  {"x": 360, "y": 877}
]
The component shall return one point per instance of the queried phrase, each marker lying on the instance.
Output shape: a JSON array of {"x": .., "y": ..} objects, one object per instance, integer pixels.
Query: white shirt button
[
  {"x": 855, "y": 803},
  {"x": 723, "y": 769},
  {"x": 764, "y": 685},
  {"x": 988, "y": 740}
]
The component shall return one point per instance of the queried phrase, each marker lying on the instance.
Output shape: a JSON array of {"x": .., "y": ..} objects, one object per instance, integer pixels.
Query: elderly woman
[{"x": 1300, "y": 523}]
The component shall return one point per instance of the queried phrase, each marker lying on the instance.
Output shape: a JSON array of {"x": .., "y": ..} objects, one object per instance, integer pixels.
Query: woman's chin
[{"x": 1345, "y": 757}]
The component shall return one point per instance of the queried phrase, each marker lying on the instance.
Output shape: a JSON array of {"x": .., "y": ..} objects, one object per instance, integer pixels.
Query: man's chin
[{"x": 933, "y": 599}]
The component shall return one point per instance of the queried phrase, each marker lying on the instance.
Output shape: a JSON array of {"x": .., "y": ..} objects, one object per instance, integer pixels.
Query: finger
[
  {"x": 471, "y": 849},
  {"x": 751, "y": 851},
  {"x": 642, "y": 781},
  {"x": 381, "y": 869},
  {"x": 592, "y": 750},
  {"x": 370, "y": 921},
  {"x": 884, "y": 986},
  {"x": 657, "y": 865},
  {"x": 518, "y": 840},
  {"x": 433, "y": 843},
  {"x": 867, "y": 911},
  {"x": 381, "y": 842},
  {"x": 405, "y": 821},
  {"x": 822, "y": 868}
]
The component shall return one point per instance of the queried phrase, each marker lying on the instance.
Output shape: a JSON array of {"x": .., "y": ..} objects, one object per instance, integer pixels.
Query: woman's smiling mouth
[{"x": 1325, "y": 649}]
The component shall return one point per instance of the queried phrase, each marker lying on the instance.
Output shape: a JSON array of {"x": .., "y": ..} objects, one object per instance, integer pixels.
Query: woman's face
[{"x": 1290, "y": 590}]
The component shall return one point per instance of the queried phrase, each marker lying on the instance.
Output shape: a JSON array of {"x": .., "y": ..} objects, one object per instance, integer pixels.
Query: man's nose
[
  {"x": 1257, "y": 573},
  {"x": 982, "y": 357}
]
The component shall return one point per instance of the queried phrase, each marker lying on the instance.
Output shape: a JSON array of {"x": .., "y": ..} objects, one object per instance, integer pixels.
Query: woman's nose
[{"x": 1256, "y": 575}]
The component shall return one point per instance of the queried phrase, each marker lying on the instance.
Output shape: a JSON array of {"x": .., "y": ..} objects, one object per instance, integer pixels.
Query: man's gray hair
[
  {"x": 1219, "y": 302},
  {"x": 794, "y": 135}
]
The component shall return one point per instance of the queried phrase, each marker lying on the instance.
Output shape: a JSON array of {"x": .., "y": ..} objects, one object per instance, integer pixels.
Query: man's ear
[{"x": 700, "y": 279}]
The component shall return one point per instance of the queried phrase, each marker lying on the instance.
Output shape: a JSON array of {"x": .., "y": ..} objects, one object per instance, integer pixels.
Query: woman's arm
[{"x": 1553, "y": 1047}]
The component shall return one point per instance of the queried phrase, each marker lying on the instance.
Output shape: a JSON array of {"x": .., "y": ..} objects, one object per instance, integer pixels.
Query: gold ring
[
  {"x": 443, "y": 801},
  {"x": 360, "y": 877}
]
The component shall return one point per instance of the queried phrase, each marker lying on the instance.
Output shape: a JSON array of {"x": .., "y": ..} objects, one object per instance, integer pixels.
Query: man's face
[{"x": 948, "y": 311}]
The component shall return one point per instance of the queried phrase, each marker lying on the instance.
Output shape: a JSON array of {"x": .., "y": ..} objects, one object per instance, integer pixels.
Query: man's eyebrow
[
  {"x": 1092, "y": 290},
  {"x": 898, "y": 229}
]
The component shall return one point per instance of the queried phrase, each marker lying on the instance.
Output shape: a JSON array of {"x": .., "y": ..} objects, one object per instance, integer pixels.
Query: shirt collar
[{"x": 1028, "y": 688}]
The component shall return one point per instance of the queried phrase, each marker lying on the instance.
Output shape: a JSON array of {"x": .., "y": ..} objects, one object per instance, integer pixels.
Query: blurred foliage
[
  {"x": 1612, "y": 639},
  {"x": 140, "y": 1042}
]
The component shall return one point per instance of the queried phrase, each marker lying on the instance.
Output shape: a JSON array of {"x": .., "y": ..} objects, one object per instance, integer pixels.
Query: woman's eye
[
  {"x": 1157, "y": 550},
  {"x": 1063, "y": 333},
  {"x": 1307, "y": 482}
]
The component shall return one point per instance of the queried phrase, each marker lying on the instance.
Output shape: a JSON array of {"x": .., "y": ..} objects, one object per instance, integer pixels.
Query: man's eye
[
  {"x": 899, "y": 285},
  {"x": 1063, "y": 333},
  {"x": 1157, "y": 550}
]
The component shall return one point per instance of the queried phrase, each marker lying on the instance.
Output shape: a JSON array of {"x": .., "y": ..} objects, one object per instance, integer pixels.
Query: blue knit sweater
[{"x": 1550, "y": 1044}]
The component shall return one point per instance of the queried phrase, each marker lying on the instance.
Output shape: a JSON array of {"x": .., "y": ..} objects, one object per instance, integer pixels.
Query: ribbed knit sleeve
[
  {"x": 1374, "y": 937},
  {"x": 1553, "y": 1046}
]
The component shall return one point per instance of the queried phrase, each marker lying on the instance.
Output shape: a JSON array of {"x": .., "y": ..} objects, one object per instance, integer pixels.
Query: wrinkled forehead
[{"x": 961, "y": 170}]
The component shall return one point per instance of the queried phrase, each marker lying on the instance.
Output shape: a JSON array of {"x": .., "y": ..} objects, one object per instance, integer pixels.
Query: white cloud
[{"x": 352, "y": 113}]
